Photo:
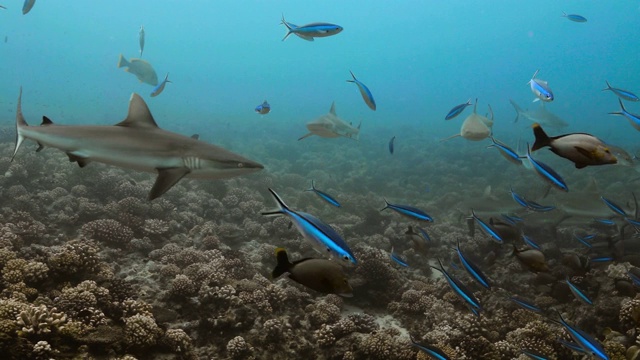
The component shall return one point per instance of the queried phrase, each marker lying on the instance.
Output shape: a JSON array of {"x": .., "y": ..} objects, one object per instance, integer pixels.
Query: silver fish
[
  {"x": 141, "y": 39},
  {"x": 140, "y": 68}
]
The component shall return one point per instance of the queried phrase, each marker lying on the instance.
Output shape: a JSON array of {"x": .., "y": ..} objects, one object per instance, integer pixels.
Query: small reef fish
[
  {"x": 605, "y": 221},
  {"x": 539, "y": 115},
  {"x": 529, "y": 241},
  {"x": 540, "y": 208},
  {"x": 391, "y": 142},
  {"x": 431, "y": 351},
  {"x": 532, "y": 259},
  {"x": 571, "y": 346},
  {"x": 323, "y": 237},
  {"x": 141, "y": 39},
  {"x": 457, "y": 110},
  {"x": 263, "y": 108},
  {"x": 397, "y": 259},
  {"x": 621, "y": 93},
  {"x": 2, "y": 7},
  {"x": 486, "y": 228},
  {"x": 364, "y": 91},
  {"x": 585, "y": 239},
  {"x": 534, "y": 355},
  {"x": 323, "y": 195},
  {"x": 475, "y": 127},
  {"x": 601, "y": 260},
  {"x": 310, "y": 31},
  {"x": 574, "y": 17},
  {"x": 527, "y": 305},
  {"x": 160, "y": 87},
  {"x": 141, "y": 69},
  {"x": 472, "y": 269},
  {"x": 547, "y": 173},
  {"x": 321, "y": 275},
  {"x": 587, "y": 343},
  {"x": 580, "y": 148},
  {"x": 331, "y": 126},
  {"x": 460, "y": 290},
  {"x": 506, "y": 151},
  {"x": 408, "y": 211},
  {"x": 172, "y": 156},
  {"x": 423, "y": 233},
  {"x": 540, "y": 89},
  {"x": 27, "y": 6},
  {"x": 614, "y": 207},
  {"x": 512, "y": 219},
  {"x": 579, "y": 294},
  {"x": 634, "y": 119},
  {"x": 634, "y": 275}
]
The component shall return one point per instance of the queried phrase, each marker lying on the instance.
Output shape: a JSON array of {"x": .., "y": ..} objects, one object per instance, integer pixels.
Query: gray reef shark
[
  {"x": 331, "y": 126},
  {"x": 541, "y": 115},
  {"x": 136, "y": 143}
]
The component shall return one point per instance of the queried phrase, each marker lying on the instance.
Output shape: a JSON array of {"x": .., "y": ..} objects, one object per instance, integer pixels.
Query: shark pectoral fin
[
  {"x": 82, "y": 161},
  {"x": 305, "y": 136},
  {"x": 166, "y": 179},
  {"x": 450, "y": 137},
  {"x": 40, "y": 147}
]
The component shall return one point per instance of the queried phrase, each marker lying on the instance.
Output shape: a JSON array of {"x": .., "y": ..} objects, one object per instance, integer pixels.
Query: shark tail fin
[
  {"x": 282, "y": 207},
  {"x": 518, "y": 110},
  {"x": 21, "y": 123},
  {"x": 542, "y": 139}
]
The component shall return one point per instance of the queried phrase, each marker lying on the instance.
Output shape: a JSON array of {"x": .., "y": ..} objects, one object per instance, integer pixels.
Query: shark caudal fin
[{"x": 21, "y": 123}]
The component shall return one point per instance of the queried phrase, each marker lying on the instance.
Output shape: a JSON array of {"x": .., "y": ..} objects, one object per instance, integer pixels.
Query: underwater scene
[{"x": 331, "y": 180}]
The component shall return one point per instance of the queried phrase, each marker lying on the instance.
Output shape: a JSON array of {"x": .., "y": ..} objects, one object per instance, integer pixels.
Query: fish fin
[
  {"x": 585, "y": 153},
  {"x": 517, "y": 108},
  {"x": 308, "y": 38},
  {"x": 283, "y": 265},
  {"x": 46, "y": 121},
  {"x": 450, "y": 137},
  {"x": 82, "y": 161},
  {"x": 332, "y": 111},
  {"x": 542, "y": 139},
  {"x": 20, "y": 124},
  {"x": 282, "y": 207},
  {"x": 40, "y": 147},
  {"x": 122, "y": 61},
  {"x": 139, "y": 115},
  {"x": 536, "y": 99},
  {"x": 166, "y": 179},
  {"x": 305, "y": 136},
  {"x": 608, "y": 86}
]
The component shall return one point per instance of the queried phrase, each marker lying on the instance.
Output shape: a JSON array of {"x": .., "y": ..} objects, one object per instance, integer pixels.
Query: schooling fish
[
  {"x": 472, "y": 269},
  {"x": 2, "y": 7},
  {"x": 579, "y": 294},
  {"x": 408, "y": 211},
  {"x": 364, "y": 91},
  {"x": 141, "y": 39},
  {"x": 621, "y": 93},
  {"x": 27, "y": 6},
  {"x": 323, "y": 195},
  {"x": 424, "y": 233},
  {"x": 263, "y": 108},
  {"x": 488, "y": 229},
  {"x": 525, "y": 304},
  {"x": 540, "y": 89},
  {"x": 160, "y": 87},
  {"x": 391, "y": 142},
  {"x": 634, "y": 119},
  {"x": 547, "y": 173},
  {"x": 431, "y": 351},
  {"x": 506, "y": 151},
  {"x": 587, "y": 343},
  {"x": 460, "y": 289},
  {"x": 322, "y": 236},
  {"x": 310, "y": 31},
  {"x": 397, "y": 259},
  {"x": 321, "y": 275},
  {"x": 580, "y": 148},
  {"x": 574, "y": 17},
  {"x": 457, "y": 110},
  {"x": 614, "y": 207},
  {"x": 529, "y": 241}
]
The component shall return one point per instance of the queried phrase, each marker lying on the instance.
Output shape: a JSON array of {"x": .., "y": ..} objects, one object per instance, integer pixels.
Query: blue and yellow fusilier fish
[
  {"x": 587, "y": 343},
  {"x": 472, "y": 269},
  {"x": 322, "y": 236},
  {"x": 457, "y": 110},
  {"x": 310, "y": 31},
  {"x": 323, "y": 195},
  {"x": 634, "y": 119},
  {"x": 486, "y": 228},
  {"x": 578, "y": 293},
  {"x": 263, "y": 108},
  {"x": 408, "y": 211},
  {"x": 160, "y": 87},
  {"x": 574, "y": 17},
  {"x": 364, "y": 91},
  {"x": 621, "y": 93},
  {"x": 431, "y": 351},
  {"x": 507, "y": 152},
  {"x": 460, "y": 290},
  {"x": 547, "y": 173},
  {"x": 540, "y": 89}
]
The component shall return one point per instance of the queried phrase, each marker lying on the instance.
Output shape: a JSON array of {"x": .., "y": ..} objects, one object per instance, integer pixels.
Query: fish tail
[
  {"x": 353, "y": 76},
  {"x": 285, "y": 23},
  {"x": 518, "y": 110},
  {"x": 608, "y": 86},
  {"x": 542, "y": 139},
  {"x": 386, "y": 205},
  {"x": 283, "y": 265},
  {"x": 282, "y": 207},
  {"x": 21, "y": 123},
  {"x": 313, "y": 186},
  {"x": 122, "y": 61}
]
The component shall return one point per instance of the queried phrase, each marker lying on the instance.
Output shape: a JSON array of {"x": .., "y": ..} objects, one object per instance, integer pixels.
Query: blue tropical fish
[
  {"x": 322, "y": 236},
  {"x": 574, "y": 17},
  {"x": 393, "y": 139},
  {"x": 635, "y": 278},
  {"x": 529, "y": 241},
  {"x": 584, "y": 239},
  {"x": 601, "y": 259},
  {"x": 634, "y": 119},
  {"x": 587, "y": 343},
  {"x": 519, "y": 199},
  {"x": 263, "y": 108},
  {"x": 571, "y": 345},
  {"x": 579, "y": 294},
  {"x": 614, "y": 207},
  {"x": 534, "y": 355},
  {"x": 547, "y": 173},
  {"x": 397, "y": 259},
  {"x": 540, "y": 88},
  {"x": 431, "y": 351},
  {"x": 323, "y": 195},
  {"x": 525, "y": 304},
  {"x": 160, "y": 87},
  {"x": 460, "y": 289},
  {"x": 457, "y": 110},
  {"x": 424, "y": 233},
  {"x": 511, "y": 219},
  {"x": 605, "y": 221},
  {"x": 408, "y": 211},
  {"x": 488, "y": 229},
  {"x": 310, "y": 31},
  {"x": 364, "y": 91},
  {"x": 506, "y": 152},
  {"x": 623, "y": 94},
  {"x": 472, "y": 269}
]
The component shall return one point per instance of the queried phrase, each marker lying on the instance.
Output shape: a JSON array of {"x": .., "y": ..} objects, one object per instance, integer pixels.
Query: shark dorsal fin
[
  {"x": 333, "y": 109},
  {"x": 139, "y": 115},
  {"x": 46, "y": 121}
]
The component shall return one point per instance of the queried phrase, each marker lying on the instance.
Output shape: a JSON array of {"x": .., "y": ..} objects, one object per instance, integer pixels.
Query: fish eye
[
  {"x": 328, "y": 250},
  {"x": 240, "y": 165},
  {"x": 345, "y": 257}
]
